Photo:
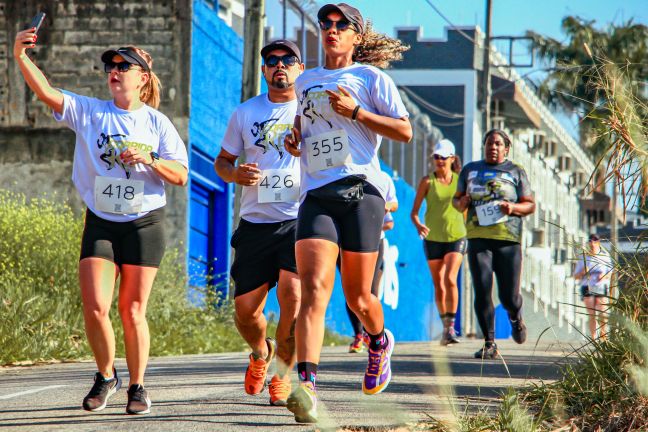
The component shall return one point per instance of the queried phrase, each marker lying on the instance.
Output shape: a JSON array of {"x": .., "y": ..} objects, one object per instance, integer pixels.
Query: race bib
[
  {"x": 118, "y": 195},
  {"x": 278, "y": 185},
  {"x": 490, "y": 214},
  {"x": 327, "y": 150}
]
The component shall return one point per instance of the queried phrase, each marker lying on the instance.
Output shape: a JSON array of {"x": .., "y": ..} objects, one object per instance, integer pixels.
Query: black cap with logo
[
  {"x": 128, "y": 54},
  {"x": 282, "y": 44},
  {"x": 349, "y": 12}
]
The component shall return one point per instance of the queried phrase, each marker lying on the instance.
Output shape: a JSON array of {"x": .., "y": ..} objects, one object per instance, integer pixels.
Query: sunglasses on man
[
  {"x": 287, "y": 60},
  {"x": 121, "y": 67},
  {"x": 341, "y": 25}
]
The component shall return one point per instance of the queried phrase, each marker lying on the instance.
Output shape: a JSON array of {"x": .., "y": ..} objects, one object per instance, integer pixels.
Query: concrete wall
[{"x": 34, "y": 150}]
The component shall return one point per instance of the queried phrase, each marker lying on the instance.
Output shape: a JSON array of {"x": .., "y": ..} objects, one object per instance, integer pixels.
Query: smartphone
[{"x": 36, "y": 22}]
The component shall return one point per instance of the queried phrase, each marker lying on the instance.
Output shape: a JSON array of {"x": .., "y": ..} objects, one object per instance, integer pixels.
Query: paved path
[{"x": 205, "y": 392}]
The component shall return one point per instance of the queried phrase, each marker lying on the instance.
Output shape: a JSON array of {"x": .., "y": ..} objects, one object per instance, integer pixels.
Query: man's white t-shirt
[
  {"x": 103, "y": 131},
  {"x": 374, "y": 91},
  {"x": 258, "y": 127}
]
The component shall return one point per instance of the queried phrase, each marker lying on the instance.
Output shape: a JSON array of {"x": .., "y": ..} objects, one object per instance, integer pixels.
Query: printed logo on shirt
[
  {"x": 472, "y": 175},
  {"x": 316, "y": 105},
  {"x": 113, "y": 145},
  {"x": 270, "y": 134}
]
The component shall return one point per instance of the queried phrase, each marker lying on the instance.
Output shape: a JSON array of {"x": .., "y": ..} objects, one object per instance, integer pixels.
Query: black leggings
[
  {"x": 375, "y": 286},
  {"x": 504, "y": 258}
]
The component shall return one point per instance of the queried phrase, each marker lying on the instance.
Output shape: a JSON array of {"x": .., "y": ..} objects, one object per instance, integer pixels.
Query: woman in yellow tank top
[{"x": 444, "y": 233}]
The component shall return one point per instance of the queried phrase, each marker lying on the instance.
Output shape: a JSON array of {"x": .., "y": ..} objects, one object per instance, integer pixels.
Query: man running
[{"x": 264, "y": 241}]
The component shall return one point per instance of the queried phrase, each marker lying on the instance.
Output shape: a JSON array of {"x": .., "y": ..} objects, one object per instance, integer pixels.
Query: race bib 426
[{"x": 278, "y": 185}]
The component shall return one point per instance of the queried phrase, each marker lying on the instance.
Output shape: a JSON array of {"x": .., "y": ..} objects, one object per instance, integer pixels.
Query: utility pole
[
  {"x": 486, "y": 79},
  {"x": 254, "y": 14},
  {"x": 251, "y": 86}
]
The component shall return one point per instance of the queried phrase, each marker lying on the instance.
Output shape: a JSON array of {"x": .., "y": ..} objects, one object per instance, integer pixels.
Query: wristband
[{"x": 354, "y": 115}]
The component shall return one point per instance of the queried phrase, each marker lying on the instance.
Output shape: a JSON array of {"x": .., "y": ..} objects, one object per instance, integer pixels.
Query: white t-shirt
[
  {"x": 258, "y": 127},
  {"x": 390, "y": 191},
  {"x": 103, "y": 131},
  {"x": 596, "y": 266},
  {"x": 390, "y": 196},
  {"x": 374, "y": 91}
]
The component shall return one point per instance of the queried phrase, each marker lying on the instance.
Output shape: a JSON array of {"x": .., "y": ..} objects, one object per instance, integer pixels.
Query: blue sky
[{"x": 509, "y": 18}]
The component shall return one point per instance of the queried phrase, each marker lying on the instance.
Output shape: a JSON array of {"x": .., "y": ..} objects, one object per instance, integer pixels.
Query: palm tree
[
  {"x": 574, "y": 85},
  {"x": 571, "y": 83}
]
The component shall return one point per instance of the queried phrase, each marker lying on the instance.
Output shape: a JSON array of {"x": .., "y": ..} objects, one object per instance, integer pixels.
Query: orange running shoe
[
  {"x": 279, "y": 390},
  {"x": 257, "y": 370},
  {"x": 356, "y": 345}
]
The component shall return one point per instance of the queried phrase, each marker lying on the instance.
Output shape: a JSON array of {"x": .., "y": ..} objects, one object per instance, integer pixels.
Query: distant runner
[{"x": 444, "y": 233}]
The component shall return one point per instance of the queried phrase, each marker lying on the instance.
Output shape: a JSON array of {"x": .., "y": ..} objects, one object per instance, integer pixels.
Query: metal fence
[{"x": 410, "y": 161}]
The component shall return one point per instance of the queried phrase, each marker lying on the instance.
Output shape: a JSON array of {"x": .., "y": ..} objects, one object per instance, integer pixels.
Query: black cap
[
  {"x": 594, "y": 237},
  {"x": 129, "y": 55},
  {"x": 349, "y": 12},
  {"x": 282, "y": 44}
]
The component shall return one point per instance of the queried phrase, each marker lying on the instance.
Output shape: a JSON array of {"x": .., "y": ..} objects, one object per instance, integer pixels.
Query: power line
[
  {"x": 454, "y": 27},
  {"x": 435, "y": 109}
]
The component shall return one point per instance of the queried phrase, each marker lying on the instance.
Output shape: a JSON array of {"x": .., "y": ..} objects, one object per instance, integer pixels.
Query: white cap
[{"x": 444, "y": 148}]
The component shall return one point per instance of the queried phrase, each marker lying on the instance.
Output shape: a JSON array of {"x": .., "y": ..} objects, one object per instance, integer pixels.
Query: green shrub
[{"x": 41, "y": 317}]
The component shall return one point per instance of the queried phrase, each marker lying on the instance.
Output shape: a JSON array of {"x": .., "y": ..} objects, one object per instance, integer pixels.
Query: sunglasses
[
  {"x": 287, "y": 60},
  {"x": 341, "y": 25},
  {"x": 439, "y": 157},
  {"x": 121, "y": 67}
]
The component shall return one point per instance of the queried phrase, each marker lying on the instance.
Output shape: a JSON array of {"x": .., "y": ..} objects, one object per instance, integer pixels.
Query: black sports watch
[{"x": 155, "y": 159}]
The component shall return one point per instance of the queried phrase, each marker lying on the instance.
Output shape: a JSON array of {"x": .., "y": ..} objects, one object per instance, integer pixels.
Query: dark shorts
[
  {"x": 354, "y": 225},
  {"x": 139, "y": 242},
  {"x": 261, "y": 250},
  {"x": 585, "y": 292},
  {"x": 437, "y": 250}
]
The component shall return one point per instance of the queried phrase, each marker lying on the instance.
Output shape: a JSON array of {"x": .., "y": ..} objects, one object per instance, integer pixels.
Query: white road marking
[{"x": 26, "y": 392}]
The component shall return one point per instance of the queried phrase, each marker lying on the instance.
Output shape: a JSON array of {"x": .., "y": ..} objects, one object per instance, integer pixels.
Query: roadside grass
[{"x": 41, "y": 317}]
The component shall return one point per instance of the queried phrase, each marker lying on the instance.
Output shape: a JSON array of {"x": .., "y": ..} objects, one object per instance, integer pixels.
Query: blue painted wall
[
  {"x": 216, "y": 66},
  {"x": 410, "y": 312}
]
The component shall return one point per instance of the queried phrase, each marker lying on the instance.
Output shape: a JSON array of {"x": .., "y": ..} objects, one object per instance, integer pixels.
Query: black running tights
[{"x": 504, "y": 258}]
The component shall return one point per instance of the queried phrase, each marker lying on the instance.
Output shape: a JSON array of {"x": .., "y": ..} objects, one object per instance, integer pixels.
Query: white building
[{"x": 442, "y": 76}]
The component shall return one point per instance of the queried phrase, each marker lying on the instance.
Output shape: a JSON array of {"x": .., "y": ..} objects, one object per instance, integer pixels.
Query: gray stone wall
[{"x": 35, "y": 152}]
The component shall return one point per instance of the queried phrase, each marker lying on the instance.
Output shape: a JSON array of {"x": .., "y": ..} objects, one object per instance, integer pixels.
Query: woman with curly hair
[{"x": 345, "y": 108}]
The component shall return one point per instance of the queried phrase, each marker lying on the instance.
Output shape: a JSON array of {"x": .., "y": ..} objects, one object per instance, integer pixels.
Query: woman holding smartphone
[
  {"x": 124, "y": 154},
  {"x": 344, "y": 110}
]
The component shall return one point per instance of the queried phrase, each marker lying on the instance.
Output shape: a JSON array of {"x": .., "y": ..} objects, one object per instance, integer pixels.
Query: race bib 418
[{"x": 118, "y": 195}]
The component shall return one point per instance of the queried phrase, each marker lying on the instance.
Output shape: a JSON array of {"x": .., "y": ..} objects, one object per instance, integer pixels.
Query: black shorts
[
  {"x": 139, "y": 242},
  {"x": 354, "y": 225},
  {"x": 437, "y": 250},
  {"x": 260, "y": 251},
  {"x": 585, "y": 292}
]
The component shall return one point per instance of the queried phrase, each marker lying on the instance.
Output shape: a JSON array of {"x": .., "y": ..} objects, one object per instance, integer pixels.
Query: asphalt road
[{"x": 205, "y": 392}]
